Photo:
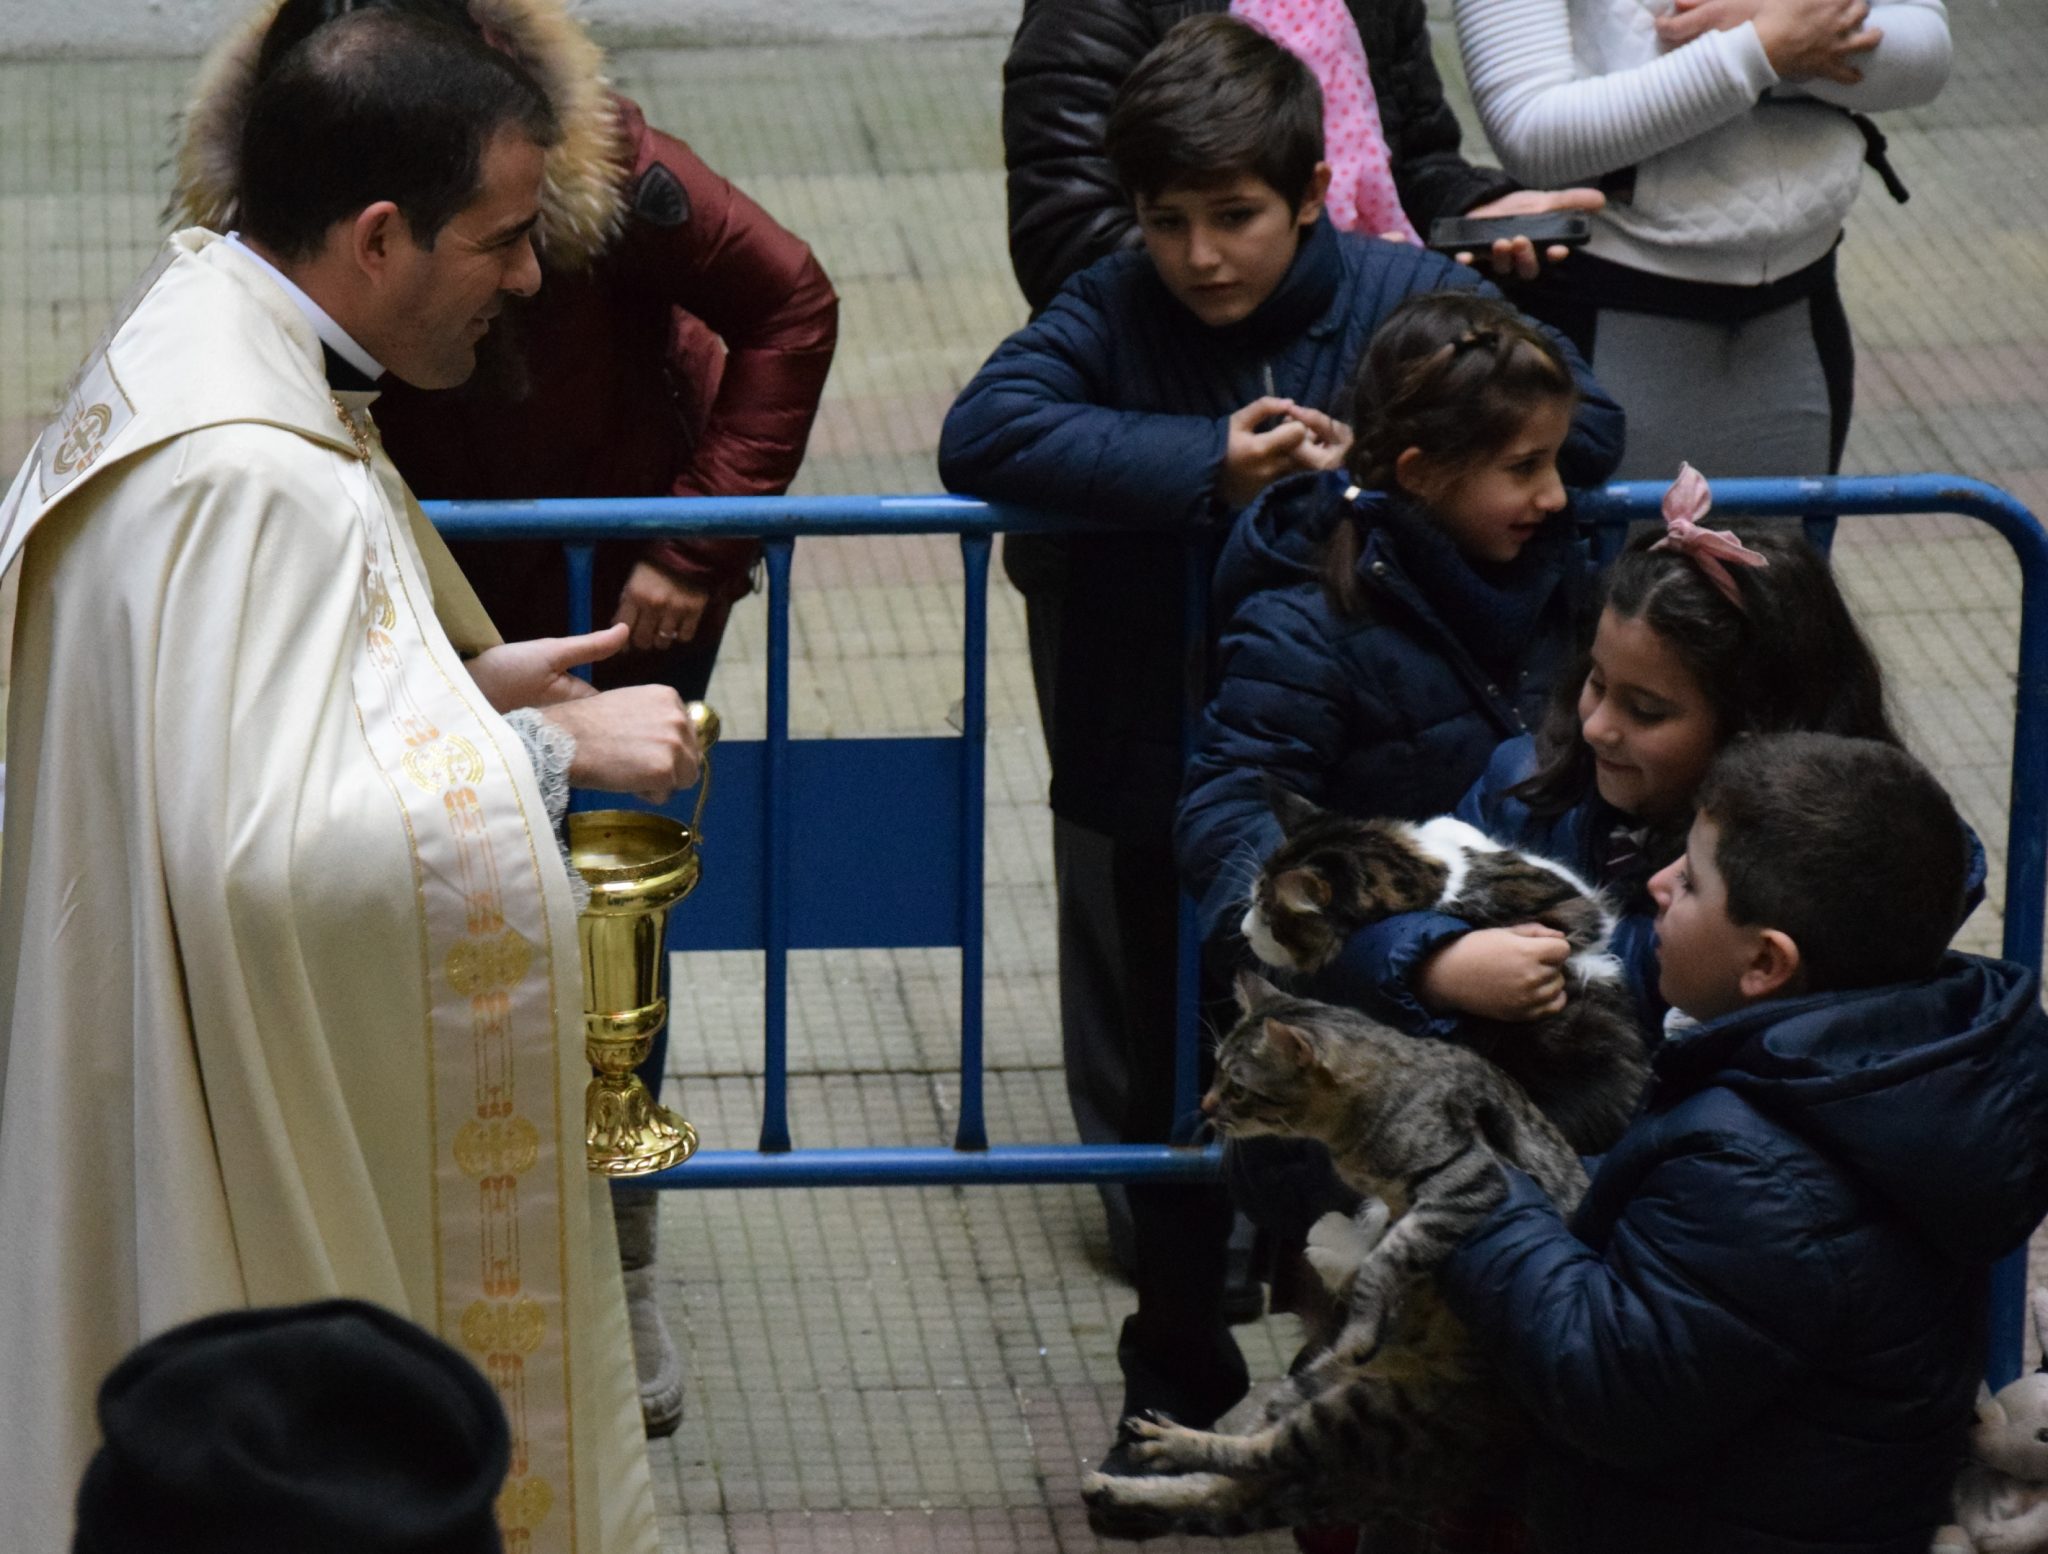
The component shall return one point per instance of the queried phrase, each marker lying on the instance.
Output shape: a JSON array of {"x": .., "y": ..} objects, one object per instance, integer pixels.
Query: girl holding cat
[
  {"x": 1704, "y": 636},
  {"x": 1387, "y": 627}
]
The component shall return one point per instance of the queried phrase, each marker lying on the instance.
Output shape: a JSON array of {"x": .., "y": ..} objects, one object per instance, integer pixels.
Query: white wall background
[{"x": 31, "y": 28}]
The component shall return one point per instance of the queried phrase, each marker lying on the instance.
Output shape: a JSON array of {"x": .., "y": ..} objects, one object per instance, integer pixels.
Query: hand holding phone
[{"x": 1478, "y": 234}]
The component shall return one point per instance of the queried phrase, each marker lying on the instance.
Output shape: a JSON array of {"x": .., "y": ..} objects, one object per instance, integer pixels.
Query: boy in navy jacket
[
  {"x": 1157, "y": 394},
  {"x": 1763, "y": 1328}
]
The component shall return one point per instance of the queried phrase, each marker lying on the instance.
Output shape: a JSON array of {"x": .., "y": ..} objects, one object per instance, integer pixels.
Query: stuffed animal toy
[{"x": 2002, "y": 1494}]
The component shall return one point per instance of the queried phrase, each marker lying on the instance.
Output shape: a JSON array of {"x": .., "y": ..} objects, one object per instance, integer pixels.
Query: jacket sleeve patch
[{"x": 659, "y": 198}]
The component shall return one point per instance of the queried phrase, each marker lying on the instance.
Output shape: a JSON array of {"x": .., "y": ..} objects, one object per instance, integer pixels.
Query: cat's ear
[
  {"x": 2038, "y": 1300},
  {"x": 1295, "y": 1043},
  {"x": 1301, "y": 891},
  {"x": 1289, "y": 808},
  {"x": 1253, "y": 990}
]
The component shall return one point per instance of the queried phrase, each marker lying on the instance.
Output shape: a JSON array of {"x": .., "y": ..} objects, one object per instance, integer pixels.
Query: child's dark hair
[
  {"x": 1453, "y": 373},
  {"x": 1789, "y": 658},
  {"x": 1848, "y": 846},
  {"x": 1215, "y": 99}
]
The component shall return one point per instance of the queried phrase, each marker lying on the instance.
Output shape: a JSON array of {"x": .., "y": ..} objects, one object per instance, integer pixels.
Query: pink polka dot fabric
[{"x": 1323, "y": 36}]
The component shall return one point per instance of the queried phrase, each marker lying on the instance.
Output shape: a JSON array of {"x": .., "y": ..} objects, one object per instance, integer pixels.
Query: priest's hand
[
  {"x": 636, "y": 740},
  {"x": 536, "y": 673}
]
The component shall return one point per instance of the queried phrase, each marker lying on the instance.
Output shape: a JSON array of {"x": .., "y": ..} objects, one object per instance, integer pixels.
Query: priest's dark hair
[{"x": 376, "y": 104}]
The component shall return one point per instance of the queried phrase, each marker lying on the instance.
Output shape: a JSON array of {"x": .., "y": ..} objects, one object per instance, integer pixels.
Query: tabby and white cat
[
  {"x": 1398, "y": 1419},
  {"x": 1585, "y": 1066}
]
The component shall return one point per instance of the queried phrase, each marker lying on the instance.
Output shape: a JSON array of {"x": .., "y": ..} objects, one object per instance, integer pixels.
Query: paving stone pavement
[{"x": 925, "y": 1368}]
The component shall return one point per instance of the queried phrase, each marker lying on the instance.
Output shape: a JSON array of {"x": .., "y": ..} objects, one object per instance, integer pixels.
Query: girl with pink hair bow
[{"x": 1704, "y": 636}]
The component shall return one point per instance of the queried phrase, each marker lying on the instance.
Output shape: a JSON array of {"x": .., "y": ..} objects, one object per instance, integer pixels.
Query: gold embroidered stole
[{"x": 501, "y": 1166}]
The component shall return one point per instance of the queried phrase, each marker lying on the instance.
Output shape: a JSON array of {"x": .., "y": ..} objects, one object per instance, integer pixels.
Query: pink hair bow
[{"x": 1711, "y": 550}]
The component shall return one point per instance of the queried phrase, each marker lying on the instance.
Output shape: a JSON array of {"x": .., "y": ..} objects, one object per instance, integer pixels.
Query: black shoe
[{"x": 1192, "y": 1383}]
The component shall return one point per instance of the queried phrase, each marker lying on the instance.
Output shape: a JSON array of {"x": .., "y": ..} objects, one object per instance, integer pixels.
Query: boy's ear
[
  {"x": 1312, "y": 202},
  {"x": 1773, "y": 967}
]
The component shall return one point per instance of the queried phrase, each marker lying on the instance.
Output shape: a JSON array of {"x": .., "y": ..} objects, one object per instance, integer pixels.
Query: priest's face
[{"x": 438, "y": 302}]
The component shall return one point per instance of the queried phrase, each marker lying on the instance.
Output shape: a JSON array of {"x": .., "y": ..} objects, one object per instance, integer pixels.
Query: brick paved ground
[{"x": 931, "y": 1369}]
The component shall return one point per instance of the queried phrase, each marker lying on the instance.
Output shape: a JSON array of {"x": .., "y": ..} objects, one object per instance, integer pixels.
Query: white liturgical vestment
[{"x": 288, "y": 964}]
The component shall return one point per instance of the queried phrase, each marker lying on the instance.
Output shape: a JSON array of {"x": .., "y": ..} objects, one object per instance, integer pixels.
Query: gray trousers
[{"x": 1750, "y": 398}]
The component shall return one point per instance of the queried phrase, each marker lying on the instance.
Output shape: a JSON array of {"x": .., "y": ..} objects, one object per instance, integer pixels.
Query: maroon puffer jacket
[{"x": 687, "y": 360}]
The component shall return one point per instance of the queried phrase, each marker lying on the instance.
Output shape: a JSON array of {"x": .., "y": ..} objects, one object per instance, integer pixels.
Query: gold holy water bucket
[{"x": 637, "y": 865}]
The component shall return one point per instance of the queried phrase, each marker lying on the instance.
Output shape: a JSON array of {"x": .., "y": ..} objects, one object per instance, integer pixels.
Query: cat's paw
[
  {"x": 1361, "y": 1337},
  {"x": 1153, "y": 1443},
  {"x": 1147, "y": 1507},
  {"x": 1120, "y": 1507},
  {"x": 1326, "y": 1371}
]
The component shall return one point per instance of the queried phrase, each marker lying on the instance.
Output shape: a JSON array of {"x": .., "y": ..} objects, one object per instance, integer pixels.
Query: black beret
[{"x": 331, "y": 1428}]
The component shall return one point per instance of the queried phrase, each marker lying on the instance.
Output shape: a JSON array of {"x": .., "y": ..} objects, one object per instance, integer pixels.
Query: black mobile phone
[{"x": 1477, "y": 234}]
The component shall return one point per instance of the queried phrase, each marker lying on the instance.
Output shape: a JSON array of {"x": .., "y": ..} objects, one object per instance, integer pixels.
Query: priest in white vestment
[{"x": 288, "y": 960}]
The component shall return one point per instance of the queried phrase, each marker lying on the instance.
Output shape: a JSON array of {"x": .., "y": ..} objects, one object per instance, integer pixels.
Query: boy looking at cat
[
  {"x": 1762, "y": 1329},
  {"x": 1158, "y": 393}
]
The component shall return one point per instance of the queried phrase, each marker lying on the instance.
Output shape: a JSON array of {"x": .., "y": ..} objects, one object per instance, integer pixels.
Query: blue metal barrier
[{"x": 781, "y": 800}]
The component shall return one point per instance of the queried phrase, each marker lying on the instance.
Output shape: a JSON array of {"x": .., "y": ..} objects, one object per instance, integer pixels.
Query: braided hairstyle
[{"x": 1453, "y": 374}]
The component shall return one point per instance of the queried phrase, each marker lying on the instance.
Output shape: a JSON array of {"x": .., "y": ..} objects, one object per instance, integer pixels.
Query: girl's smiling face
[
  {"x": 1652, "y": 731},
  {"x": 1494, "y": 506}
]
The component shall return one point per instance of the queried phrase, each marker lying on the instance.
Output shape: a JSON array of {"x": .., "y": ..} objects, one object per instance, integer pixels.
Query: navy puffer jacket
[
  {"x": 1114, "y": 403},
  {"x": 1762, "y": 1331},
  {"x": 1378, "y": 969},
  {"x": 1391, "y": 712}
]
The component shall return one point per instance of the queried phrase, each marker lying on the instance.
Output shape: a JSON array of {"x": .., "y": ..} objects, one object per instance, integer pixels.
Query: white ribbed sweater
[{"x": 1740, "y": 179}]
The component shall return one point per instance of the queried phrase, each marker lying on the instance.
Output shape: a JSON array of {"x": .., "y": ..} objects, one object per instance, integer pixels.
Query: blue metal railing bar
[
  {"x": 781, "y": 520},
  {"x": 740, "y": 517},
  {"x": 915, "y": 1166},
  {"x": 775, "y": 904},
  {"x": 972, "y": 1132}
]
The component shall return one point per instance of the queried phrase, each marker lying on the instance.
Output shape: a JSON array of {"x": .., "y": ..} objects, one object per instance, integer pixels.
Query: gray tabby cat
[
  {"x": 1398, "y": 1418},
  {"x": 1332, "y": 875}
]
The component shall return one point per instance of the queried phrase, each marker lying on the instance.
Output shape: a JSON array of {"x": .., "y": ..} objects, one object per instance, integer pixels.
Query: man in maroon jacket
[{"x": 677, "y": 347}]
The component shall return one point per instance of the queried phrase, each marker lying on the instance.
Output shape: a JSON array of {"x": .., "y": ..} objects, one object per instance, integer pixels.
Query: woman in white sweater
[{"x": 1723, "y": 133}]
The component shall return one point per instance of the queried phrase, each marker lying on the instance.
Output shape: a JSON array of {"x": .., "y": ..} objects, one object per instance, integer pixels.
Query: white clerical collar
[{"x": 331, "y": 334}]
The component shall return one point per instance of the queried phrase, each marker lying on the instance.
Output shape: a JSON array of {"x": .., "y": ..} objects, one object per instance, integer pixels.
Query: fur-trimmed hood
[{"x": 583, "y": 204}]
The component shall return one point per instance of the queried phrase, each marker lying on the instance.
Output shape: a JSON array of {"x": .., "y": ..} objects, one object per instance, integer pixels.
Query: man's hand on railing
[
  {"x": 535, "y": 673},
  {"x": 636, "y": 740},
  {"x": 659, "y": 608}
]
